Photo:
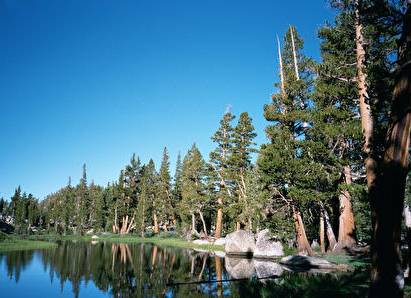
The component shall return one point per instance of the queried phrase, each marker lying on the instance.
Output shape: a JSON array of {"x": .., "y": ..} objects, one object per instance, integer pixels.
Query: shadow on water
[{"x": 145, "y": 270}]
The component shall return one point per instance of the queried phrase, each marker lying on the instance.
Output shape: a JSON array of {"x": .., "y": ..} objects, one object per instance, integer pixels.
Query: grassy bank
[
  {"x": 12, "y": 243},
  {"x": 163, "y": 241}
]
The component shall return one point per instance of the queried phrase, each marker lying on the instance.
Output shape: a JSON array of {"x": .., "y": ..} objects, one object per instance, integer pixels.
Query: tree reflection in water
[{"x": 146, "y": 270}]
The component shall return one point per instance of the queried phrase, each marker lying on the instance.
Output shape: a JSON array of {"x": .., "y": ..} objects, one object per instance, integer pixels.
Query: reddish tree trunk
[
  {"x": 387, "y": 278},
  {"x": 302, "y": 242},
  {"x": 322, "y": 233},
  {"x": 346, "y": 233},
  {"x": 219, "y": 224}
]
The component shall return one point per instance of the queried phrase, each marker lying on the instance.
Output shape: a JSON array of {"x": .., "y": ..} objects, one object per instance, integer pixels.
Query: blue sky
[{"x": 95, "y": 80}]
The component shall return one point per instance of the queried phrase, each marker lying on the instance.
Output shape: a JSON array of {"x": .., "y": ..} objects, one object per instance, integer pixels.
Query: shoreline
[{"x": 14, "y": 243}]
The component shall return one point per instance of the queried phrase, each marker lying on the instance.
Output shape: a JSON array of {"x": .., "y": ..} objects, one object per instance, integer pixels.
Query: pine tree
[
  {"x": 240, "y": 166},
  {"x": 285, "y": 163},
  {"x": 194, "y": 199},
  {"x": 83, "y": 202},
  {"x": 177, "y": 186},
  {"x": 166, "y": 213},
  {"x": 147, "y": 208},
  {"x": 220, "y": 167}
]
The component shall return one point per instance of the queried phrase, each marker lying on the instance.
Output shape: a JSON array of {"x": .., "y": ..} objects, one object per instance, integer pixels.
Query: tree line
[{"x": 334, "y": 167}]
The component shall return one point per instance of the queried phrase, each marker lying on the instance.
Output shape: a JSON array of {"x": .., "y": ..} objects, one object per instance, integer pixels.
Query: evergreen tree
[
  {"x": 166, "y": 212},
  {"x": 83, "y": 202},
  {"x": 287, "y": 169},
  {"x": 220, "y": 167},
  {"x": 240, "y": 164},
  {"x": 147, "y": 207},
  {"x": 177, "y": 186},
  {"x": 194, "y": 199}
]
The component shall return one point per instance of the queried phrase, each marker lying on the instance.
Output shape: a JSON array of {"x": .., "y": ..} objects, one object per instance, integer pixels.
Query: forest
[{"x": 333, "y": 170}]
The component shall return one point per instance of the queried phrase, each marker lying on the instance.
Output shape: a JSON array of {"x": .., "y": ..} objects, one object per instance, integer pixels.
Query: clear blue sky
[{"x": 95, "y": 80}]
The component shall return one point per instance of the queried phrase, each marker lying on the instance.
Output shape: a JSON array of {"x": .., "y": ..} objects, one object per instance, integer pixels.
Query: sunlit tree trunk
[
  {"x": 302, "y": 242},
  {"x": 387, "y": 278},
  {"x": 219, "y": 223},
  {"x": 156, "y": 228},
  {"x": 322, "y": 233},
  {"x": 329, "y": 230},
  {"x": 346, "y": 233},
  {"x": 203, "y": 222}
]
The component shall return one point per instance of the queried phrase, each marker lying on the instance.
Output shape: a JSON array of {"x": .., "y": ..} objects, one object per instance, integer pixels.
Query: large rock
[
  {"x": 303, "y": 263},
  {"x": 240, "y": 243},
  {"x": 220, "y": 241},
  {"x": 239, "y": 268},
  {"x": 265, "y": 269},
  {"x": 266, "y": 246}
]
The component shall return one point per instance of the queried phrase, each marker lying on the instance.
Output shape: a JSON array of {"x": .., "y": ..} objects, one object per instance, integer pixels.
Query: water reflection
[{"x": 135, "y": 270}]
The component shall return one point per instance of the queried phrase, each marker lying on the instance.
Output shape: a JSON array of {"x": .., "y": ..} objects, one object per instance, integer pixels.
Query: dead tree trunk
[
  {"x": 346, "y": 232},
  {"x": 387, "y": 278}
]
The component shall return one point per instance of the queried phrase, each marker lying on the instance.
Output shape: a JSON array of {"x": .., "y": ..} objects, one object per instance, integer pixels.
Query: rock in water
[
  {"x": 306, "y": 263},
  {"x": 220, "y": 241},
  {"x": 239, "y": 268},
  {"x": 267, "y": 247},
  {"x": 240, "y": 243},
  {"x": 266, "y": 269}
]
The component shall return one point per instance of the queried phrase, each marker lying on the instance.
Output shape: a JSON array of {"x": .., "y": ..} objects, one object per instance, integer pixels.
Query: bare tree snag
[
  {"x": 280, "y": 59},
  {"x": 387, "y": 279},
  {"x": 294, "y": 54},
  {"x": 346, "y": 232}
]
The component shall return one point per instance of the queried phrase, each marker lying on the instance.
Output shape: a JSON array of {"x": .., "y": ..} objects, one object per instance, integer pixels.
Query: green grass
[
  {"x": 12, "y": 243},
  {"x": 354, "y": 262},
  {"x": 170, "y": 241}
]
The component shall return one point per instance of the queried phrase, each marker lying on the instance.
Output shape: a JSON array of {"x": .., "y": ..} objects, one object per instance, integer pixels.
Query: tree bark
[
  {"x": 203, "y": 222},
  {"x": 367, "y": 122},
  {"x": 387, "y": 278},
  {"x": 302, "y": 242},
  {"x": 219, "y": 224},
  {"x": 322, "y": 233},
  {"x": 346, "y": 233},
  {"x": 156, "y": 229},
  {"x": 330, "y": 233}
]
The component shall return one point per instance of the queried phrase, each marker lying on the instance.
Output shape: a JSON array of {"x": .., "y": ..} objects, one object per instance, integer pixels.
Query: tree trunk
[
  {"x": 302, "y": 242},
  {"x": 346, "y": 232},
  {"x": 237, "y": 226},
  {"x": 367, "y": 122},
  {"x": 202, "y": 220},
  {"x": 219, "y": 224},
  {"x": 156, "y": 229},
  {"x": 330, "y": 233},
  {"x": 322, "y": 240},
  {"x": 387, "y": 278},
  {"x": 193, "y": 224},
  {"x": 407, "y": 221}
]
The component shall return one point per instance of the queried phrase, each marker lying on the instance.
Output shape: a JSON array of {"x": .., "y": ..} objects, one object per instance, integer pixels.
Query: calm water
[{"x": 143, "y": 270}]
